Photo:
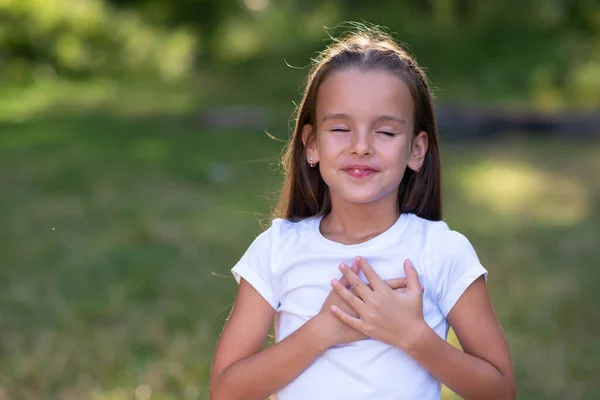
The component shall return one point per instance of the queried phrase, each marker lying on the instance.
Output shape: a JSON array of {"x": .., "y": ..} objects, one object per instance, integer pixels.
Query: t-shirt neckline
[{"x": 381, "y": 240}]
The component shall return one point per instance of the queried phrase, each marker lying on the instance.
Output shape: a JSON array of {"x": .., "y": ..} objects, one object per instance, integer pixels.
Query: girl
[{"x": 362, "y": 273}]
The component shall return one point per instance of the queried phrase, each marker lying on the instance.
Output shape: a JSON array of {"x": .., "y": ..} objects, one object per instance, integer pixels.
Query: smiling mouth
[{"x": 359, "y": 172}]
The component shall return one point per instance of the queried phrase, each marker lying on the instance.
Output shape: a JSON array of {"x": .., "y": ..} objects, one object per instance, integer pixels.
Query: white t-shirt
[{"x": 292, "y": 264}]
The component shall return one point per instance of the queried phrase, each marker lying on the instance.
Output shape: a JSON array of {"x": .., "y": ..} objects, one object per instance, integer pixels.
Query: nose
[{"x": 360, "y": 144}]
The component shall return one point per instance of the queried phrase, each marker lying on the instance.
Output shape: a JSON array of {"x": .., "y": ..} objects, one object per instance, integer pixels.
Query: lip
[
  {"x": 359, "y": 171},
  {"x": 359, "y": 167}
]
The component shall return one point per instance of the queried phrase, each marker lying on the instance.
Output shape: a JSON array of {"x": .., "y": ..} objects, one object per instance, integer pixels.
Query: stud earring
[{"x": 312, "y": 165}]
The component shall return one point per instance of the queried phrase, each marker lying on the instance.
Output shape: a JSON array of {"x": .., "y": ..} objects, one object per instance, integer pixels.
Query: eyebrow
[{"x": 379, "y": 118}]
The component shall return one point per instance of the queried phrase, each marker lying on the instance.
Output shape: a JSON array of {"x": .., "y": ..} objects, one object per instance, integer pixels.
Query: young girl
[{"x": 361, "y": 272}]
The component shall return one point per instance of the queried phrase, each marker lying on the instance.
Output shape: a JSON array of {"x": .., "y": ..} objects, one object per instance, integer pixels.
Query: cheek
[
  {"x": 396, "y": 155},
  {"x": 328, "y": 148},
  {"x": 397, "y": 160}
]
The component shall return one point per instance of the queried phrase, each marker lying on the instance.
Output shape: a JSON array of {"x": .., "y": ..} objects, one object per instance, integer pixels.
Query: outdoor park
[{"x": 139, "y": 157}]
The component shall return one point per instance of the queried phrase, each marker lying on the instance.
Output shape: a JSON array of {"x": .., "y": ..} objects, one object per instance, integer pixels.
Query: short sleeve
[
  {"x": 255, "y": 268},
  {"x": 454, "y": 265}
]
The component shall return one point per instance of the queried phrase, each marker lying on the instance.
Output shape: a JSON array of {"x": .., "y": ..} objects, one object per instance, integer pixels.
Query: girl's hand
[
  {"x": 334, "y": 331},
  {"x": 393, "y": 317}
]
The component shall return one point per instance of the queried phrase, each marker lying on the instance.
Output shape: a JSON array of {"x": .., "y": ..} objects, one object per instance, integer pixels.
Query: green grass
[{"x": 119, "y": 229}]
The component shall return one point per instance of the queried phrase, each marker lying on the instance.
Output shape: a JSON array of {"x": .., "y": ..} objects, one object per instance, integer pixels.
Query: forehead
[{"x": 364, "y": 95}]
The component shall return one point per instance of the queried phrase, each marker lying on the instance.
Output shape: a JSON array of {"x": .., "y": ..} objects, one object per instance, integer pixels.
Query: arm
[
  {"x": 240, "y": 370},
  {"x": 484, "y": 370}
]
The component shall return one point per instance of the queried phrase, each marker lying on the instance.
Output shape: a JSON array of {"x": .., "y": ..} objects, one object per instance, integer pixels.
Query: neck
[{"x": 356, "y": 222}]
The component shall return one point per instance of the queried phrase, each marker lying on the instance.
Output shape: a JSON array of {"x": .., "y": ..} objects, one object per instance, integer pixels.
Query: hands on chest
[{"x": 387, "y": 310}]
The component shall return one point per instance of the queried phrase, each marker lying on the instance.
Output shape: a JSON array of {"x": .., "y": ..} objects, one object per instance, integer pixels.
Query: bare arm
[
  {"x": 485, "y": 369},
  {"x": 240, "y": 370}
]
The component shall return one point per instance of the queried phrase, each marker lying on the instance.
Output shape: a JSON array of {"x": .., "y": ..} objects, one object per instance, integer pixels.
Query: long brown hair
[{"x": 304, "y": 193}]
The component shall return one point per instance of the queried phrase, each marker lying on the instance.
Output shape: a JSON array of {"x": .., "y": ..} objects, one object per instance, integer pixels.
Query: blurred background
[{"x": 135, "y": 171}]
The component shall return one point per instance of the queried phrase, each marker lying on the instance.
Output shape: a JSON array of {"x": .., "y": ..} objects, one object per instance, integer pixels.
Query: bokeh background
[{"x": 135, "y": 169}]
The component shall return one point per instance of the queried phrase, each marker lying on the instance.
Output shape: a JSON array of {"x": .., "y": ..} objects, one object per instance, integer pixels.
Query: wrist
[
  {"x": 417, "y": 338},
  {"x": 319, "y": 334}
]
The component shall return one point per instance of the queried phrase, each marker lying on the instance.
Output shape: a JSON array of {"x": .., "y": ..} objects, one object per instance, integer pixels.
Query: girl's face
[{"x": 363, "y": 138}]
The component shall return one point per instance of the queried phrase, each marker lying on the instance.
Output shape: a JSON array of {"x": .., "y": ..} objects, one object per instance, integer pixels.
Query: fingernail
[
  {"x": 357, "y": 259},
  {"x": 409, "y": 263},
  {"x": 341, "y": 267},
  {"x": 334, "y": 282},
  {"x": 422, "y": 289}
]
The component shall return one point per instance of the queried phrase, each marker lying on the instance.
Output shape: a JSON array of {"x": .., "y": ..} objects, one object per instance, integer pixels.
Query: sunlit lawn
[{"x": 117, "y": 231}]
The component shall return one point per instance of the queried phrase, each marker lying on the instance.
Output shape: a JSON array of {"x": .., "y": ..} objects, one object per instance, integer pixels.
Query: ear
[
  {"x": 418, "y": 151},
  {"x": 309, "y": 138}
]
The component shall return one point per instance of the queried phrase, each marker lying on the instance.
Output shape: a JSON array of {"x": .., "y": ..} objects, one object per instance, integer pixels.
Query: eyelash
[{"x": 348, "y": 130}]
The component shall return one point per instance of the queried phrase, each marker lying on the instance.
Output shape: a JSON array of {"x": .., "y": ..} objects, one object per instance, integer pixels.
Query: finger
[
  {"x": 349, "y": 320},
  {"x": 412, "y": 277},
  {"x": 397, "y": 283},
  {"x": 350, "y": 298},
  {"x": 356, "y": 283},
  {"x": 355, "y": 267},
  {"x": 370, "y": 273},
  {"x": 344, "y": 281}
]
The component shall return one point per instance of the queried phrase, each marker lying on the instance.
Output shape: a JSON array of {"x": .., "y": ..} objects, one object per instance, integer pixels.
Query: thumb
[
  {"x": 412, "y": 277},
  {"x": 396, "y": 283}
]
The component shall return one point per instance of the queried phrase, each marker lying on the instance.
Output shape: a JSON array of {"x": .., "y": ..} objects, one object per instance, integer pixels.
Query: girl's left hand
[{"x": 394, "y": 317}]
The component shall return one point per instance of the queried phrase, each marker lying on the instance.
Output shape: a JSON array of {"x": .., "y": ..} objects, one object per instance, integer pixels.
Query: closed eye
[
  {"x": 387, "y": 133},
  {"x": 340, "y": 130}
]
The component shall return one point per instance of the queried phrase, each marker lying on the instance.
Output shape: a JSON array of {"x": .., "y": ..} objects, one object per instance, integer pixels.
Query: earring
[
  {"x": 418, "y": 168},
  {"x": 312, "y": 165}
]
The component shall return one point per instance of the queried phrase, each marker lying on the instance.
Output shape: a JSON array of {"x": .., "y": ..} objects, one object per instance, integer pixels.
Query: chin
[
  {"x": 363, "y": 194},
  {"x": 361, "y": 198}
]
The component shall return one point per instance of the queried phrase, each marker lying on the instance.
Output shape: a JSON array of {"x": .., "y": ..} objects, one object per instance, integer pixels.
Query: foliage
[
  {"x": 83, "y": 38},
  {"x": 545, "y": 54}
]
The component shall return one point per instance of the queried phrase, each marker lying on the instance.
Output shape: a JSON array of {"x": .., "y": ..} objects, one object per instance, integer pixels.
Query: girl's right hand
[{"x": 331, "y": 329}]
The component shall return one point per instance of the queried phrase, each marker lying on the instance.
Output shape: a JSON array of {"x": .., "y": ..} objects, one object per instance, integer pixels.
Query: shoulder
[
  {"x": 284, "y": 227},
  {"x": 450, "y": 262},
  {"x": 440, "y": 239},
  {"x": 435, "y": 236},
  {"x": 444, "y": 250},
  {"x": 264, "y": 252},
  {"x": 282, "y": 231},
  {"x": 448, "y": 253},
  {"x": 426, "y": 227}
]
